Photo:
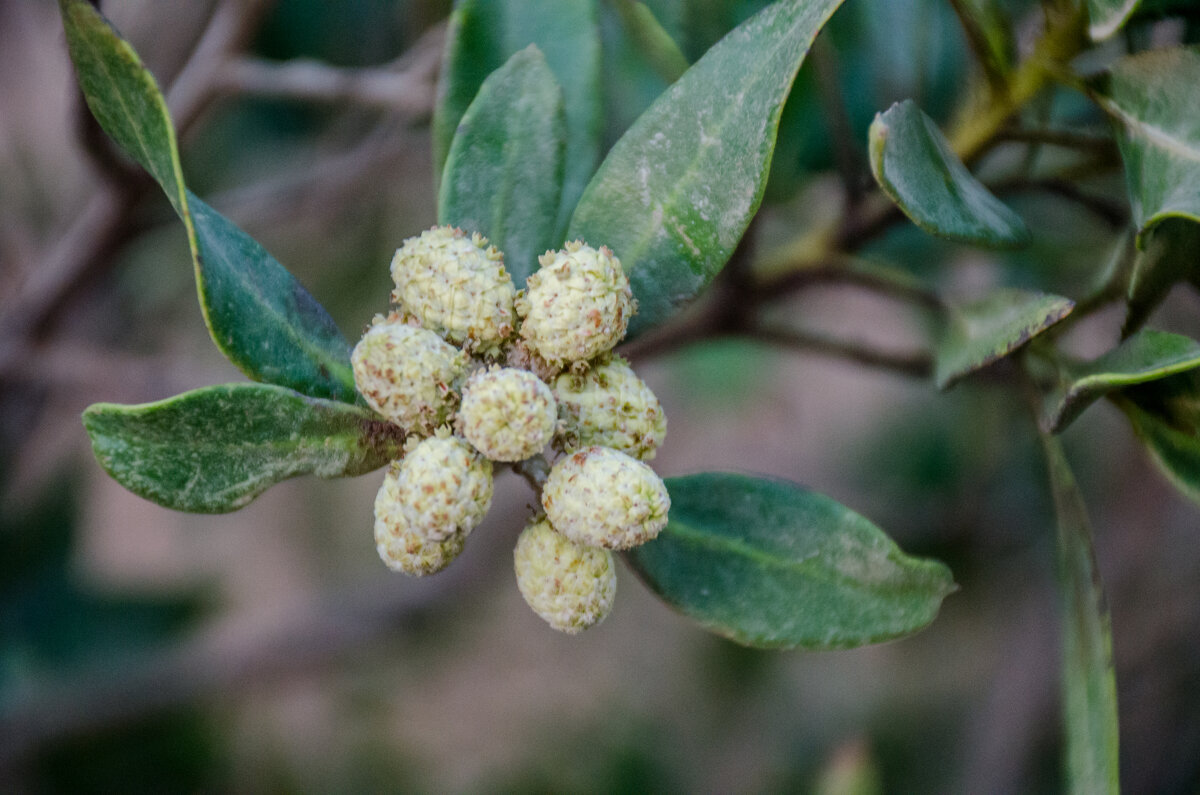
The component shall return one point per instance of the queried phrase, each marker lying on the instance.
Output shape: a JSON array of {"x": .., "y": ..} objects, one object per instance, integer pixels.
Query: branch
[
  {"x": 406, "y": 85},
  {"x": 917, "y": 364},
  {"x": 1114, "y": 214}
]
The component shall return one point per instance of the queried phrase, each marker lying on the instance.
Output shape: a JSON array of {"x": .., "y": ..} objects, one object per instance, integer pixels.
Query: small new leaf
[
  {"x": 914, "y": 164},
  {"x": 215, "y": 449},
  {"x": 981, "y": 333},
  {"x": 678, "y": 190},
  {"x": 1146, "y": 356},
  {"x": 504, "y": 173},
  {"x": 770, "y": 564},
  {"x": 484, "y": 34},
  {"x": 1165, "y": 415}
]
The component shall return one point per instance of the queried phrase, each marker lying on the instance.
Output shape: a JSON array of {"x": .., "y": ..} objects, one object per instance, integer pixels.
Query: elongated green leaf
[
  {"x": 770, "y": 564},
  {"x": 123, "y": 96},
  {"x": 1089, "y": 684},
  {"x": 1146, "y": 356},
  {"x": 1166, "y": 417},
  {"x": 913, "y": 162},
  {"x": 215, "y": 449},
  {"x": 983, "y": 332},
  {"x": 1105, "y": 17},
  {"x": 504, "y": 174},
  {"x": 483, "y": 34},
  {"x": 652, "y": 40},
  {"x": 1170, "y": 254},
  {"x": 261, "y": 317},
  {"x": 676, "y": 193},
  {"x": 1153, "y": 96},
  {"x": 257, "y": 313}
]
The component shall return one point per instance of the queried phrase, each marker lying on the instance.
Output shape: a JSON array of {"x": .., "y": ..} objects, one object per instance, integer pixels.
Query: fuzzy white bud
[
  {"x": 443, "y": 487},
  {"x": 399, "y": 545},
  {"x": 576, "y": 306},
  {"x": 407, "y": 374},
  {"x": 455, "y": 285},
  {"x": 609, "y": 406},
  {"x": 571, "y": 586},
  {"x": 507, "y": 414},
  {"x": 604, "y": 498}
]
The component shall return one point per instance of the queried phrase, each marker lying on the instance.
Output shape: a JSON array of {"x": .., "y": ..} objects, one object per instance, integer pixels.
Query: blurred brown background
[{"x": 269, "y": 650}]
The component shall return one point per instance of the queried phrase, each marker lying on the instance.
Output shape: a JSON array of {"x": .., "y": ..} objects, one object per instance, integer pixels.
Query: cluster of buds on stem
[{"x": 477, "y": 373}]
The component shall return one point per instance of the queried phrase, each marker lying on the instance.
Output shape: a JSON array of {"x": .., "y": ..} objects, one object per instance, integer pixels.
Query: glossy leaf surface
[
  {"x": 1146, "y": 356},
  {"x": 504, "y": 174},
  {"x": 1166, "y": 417},
  {"x": 1089, "y": 682},
  {"x": 983, "y": 332},
  {"x": 215, "y": 449},
  {"x": 913, "y": 162},
  {"x": 1153, "y": 97},
  {"x": 484, "y": 34},
  {"x": 257, "y": 313},
  {"x": 678, "y": 190},
  {"x": 770, "y": 564}
]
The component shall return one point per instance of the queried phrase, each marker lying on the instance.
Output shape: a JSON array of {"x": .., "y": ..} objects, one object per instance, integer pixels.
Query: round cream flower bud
[
  {"x": 399, "y": 546},
  {"x": 443, "y": 487},
  {"x": 577, "y": 305},
  {"x": 570, "y": 585},
  {"x": 507, "y": 414},
  {"x": 610, "y": 406},
  {"x": 408, "y": 374},
  {"x": 604, "y": 498},
  {"x": 457, "y": 286}
]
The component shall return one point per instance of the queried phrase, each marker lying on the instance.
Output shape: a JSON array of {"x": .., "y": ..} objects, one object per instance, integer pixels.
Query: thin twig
[
  {"x": 917, "y": 364},
  {"x": 1068, "y": 139},
  {"x": 1114, "y": 214},
  {"x": 406, "y": 85}
]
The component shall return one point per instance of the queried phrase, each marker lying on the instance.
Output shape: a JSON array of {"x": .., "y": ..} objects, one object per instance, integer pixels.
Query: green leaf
[
  {"x": 261, "y": 317},
  {"x": 981, "y": 333},
  {"x": 651, "y": 40},
  {"x": 1165, "y": 415},
  {"x": 215, "y": 449},
  {"x": 257, "y": 313},
  {"x": 1153, "y": 96},
  {"x": 504, "y": 174},
  {"x": 483, "y": 34},
  {"x": 123, "y": 96},
  {"x": 676, "y": 193},
  {"x": 913, "y": 162},
  {"x": 1170, "y": 254},
  {"x": 770, "y": 564},
  {"x": 1106, "y": 17},
  {"x": 1146, "y": 356},
  {"x": 1089, "y": 684}
]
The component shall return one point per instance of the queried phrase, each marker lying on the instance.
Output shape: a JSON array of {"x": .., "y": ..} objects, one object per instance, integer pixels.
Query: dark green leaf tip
[{"x": 770, "y": 564}]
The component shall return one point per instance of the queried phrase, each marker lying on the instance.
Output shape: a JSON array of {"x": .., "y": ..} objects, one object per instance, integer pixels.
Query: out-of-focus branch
[
  {"x": 229, "y": 30},
  {"x": 917, "y": 364},
  {"x": 406, "y": 85}
]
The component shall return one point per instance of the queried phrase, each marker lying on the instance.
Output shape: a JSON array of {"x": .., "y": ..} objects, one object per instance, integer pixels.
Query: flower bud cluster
[{"x": 478, "y": 372}]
